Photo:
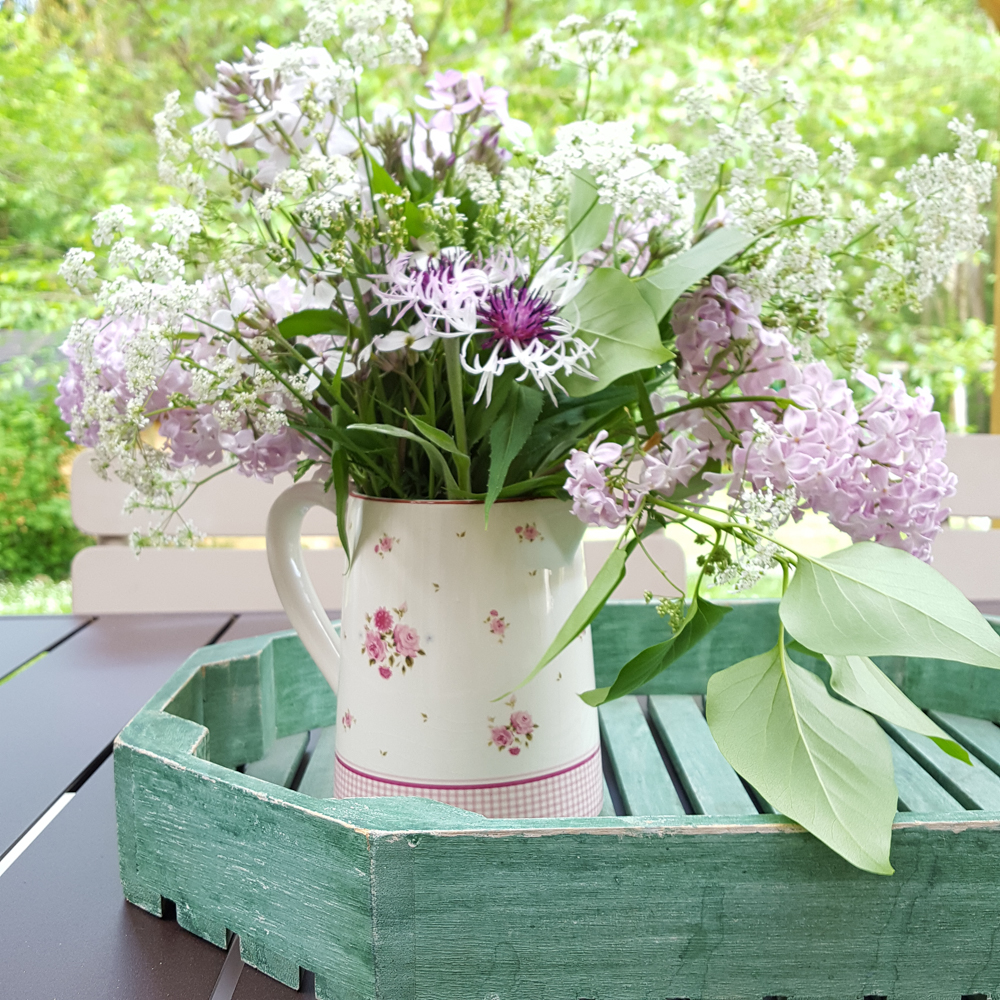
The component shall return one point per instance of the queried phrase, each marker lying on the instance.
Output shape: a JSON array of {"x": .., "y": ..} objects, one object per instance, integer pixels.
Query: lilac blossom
[
  {"x": 879, "y": 474},
  {"x": 593, "y": 499}
]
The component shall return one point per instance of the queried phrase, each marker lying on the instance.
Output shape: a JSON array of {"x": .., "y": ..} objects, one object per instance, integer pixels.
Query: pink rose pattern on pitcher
[
  {"x": 347, "y": 720},
  {"x": 384, "y": 545},
  {"x": 528, "y": 533},
  {"x": 497, "y": 623},
  {"x": 389, "y": 642},
  {"x": 516, "y": 734}
]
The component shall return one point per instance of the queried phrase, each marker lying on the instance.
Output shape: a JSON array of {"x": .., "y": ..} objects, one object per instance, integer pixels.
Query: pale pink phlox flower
[{"x": 452, "y": 94}]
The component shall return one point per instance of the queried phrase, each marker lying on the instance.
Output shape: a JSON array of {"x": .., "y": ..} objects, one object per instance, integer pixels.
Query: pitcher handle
[{"x": 288, "y": 570}]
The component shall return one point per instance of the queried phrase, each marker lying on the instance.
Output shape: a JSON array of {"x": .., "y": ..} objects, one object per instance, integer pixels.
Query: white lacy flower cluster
[
  {"x": 634, "y": 179},
  {"x": 577, "y": 41},
  {"x": 914, "y": 237}
]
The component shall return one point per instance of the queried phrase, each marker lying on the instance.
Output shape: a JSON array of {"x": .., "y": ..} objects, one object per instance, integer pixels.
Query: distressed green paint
[
  {"x": 318, "y": 778},
  {"x": 918, "y": 791},
  {"x": 282, "y": 760},
  {"x": 393, "y": 899},
  {"x": 645, "y": 786},
  {"x": 711, "y": 784}
]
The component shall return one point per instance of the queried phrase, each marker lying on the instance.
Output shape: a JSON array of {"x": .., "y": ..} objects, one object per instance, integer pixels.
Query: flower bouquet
[{"x": 433, "y": 303}]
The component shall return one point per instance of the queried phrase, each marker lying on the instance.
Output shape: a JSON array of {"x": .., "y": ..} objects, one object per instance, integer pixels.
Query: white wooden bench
[
  {"x": 971, "y": 559},
  {"x": 233, "y": 576}
]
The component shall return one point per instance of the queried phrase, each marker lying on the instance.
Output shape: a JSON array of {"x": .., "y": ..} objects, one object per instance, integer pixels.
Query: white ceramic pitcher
[{"x": 441, "y": 616}]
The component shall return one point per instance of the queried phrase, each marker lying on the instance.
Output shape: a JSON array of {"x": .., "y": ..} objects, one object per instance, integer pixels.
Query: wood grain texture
[
  {"x": 23, "y": 637},
  {"x": 317, "y": 780},
  {"x": 66, "y": 933},
  {"x": 396, "y": 898},
  {"x": 643, "y": 781},
  {"x": 975, "y": 787},
  {"x": 978, "y": 735},
  {"x": 918, "y": 791},
  {"x": 711, "y": 784},
  {"x": 282, "y": 760},
  {"x": 721, "y": 915},
  {"x": 88, "y": 688}
]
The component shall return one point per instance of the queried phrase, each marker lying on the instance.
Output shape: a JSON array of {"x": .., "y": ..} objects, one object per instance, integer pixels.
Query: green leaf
[
  {"x": 796, "y": 647},
  {"x": 437, "y": 459},
  {"x": 309, "y": 322},
  {"x": 434, "y": 434},
  {"x": 587, "y": 220},
  {"x": 609, "y": 309},
  {"x": 443, "y": 440},
  {"x": 871, "y": 600},
  {"x": 382, "y": 182},
  {"x": 700, "y": 619},
  {"x": 508, "y": 435},
  {"x": 608, "y": 577},
  {"x": 821, "y": 762},
  {"x": 664, "y": 286},
  {"x": 861, "y": 682},
  {"x": 341, "y": 486}
]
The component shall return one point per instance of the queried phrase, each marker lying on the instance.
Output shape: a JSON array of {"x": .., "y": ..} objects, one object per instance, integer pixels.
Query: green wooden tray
[{"x": 693, "y": 891}]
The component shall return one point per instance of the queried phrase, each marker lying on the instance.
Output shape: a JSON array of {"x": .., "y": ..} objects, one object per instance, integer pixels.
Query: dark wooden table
[{"x": 68, "y": 685}]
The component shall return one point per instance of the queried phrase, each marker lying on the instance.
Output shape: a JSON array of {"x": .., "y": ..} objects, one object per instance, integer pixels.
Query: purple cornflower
[{"x": 517, "y": 315}]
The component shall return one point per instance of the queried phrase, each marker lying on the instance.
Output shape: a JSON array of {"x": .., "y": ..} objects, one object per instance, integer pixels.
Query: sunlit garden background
[{"x": 80, "y": 81}]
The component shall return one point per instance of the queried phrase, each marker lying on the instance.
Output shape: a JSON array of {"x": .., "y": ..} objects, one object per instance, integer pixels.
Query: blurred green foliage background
[{"x": 81, "y": 79}]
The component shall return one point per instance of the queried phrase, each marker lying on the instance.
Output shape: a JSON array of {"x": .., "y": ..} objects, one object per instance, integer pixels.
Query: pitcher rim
[{"x": 469, "y": 503}]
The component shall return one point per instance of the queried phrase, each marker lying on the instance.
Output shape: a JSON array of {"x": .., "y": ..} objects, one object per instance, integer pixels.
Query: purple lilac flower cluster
[
  {"x": 201, "y": 434},
  {"x": 878, "y": 473}
]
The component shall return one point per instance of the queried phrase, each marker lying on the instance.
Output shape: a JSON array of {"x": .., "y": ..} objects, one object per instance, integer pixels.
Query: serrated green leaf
[
  {"x": 821, "y": 762},
  {"x": 861, "y": 682},
  {"x": 587, "y": 220},
  {"x": 608, "y": 577},
  {"x": 700, "y": 619},
  {"x": 663, "y": 287},
  {"x": 310, "y": 322},
  {"x": 871, "y": 600},
  {"x": 611, "y": 311},
  {"x": 508, "y": 434}
]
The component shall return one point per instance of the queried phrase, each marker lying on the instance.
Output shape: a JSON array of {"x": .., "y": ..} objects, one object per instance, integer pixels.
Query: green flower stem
[
  {"x": 454, "y": 366},
  {"x": 717, "y": 402},
  {"x": 645, "y": 405}
]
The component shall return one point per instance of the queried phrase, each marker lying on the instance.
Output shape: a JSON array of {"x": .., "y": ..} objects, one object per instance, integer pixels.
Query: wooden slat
[
  {"x": 258, "y": 623},
  {"x": 608, "y": 809},
  {"x": 59, "y": 715},
  {"x": 918, "y": 791},
  {"x": 109, "y": 579},
  {"x": 23, "y": 637},
  {"x": 642, "y": 778},
  {"x": 281, "y": 763},
  {"x": 317, "y": 780},
  {"x": 710, "y": 782},
  {"x": 230, "y": 504},
  {"x": 67, "y": 933},
  {"x": 978, "y": 735},
  {"x": 975, "y": 459},
  {"x": 975, "y": 787},
  {"x": 640, "y": 574}
]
